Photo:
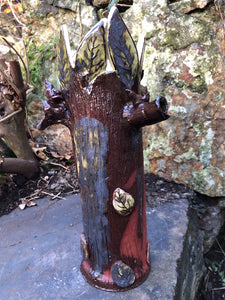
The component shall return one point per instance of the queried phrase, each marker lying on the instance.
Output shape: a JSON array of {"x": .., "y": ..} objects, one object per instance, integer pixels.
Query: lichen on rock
[{"x": 184, "y": 62}]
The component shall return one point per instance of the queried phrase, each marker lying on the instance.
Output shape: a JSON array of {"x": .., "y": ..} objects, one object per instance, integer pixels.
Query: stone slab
[{"x": 40, "y": 253}]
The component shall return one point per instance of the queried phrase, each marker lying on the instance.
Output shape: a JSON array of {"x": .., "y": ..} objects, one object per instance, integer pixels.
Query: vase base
[{"x": 107, "y": 281}]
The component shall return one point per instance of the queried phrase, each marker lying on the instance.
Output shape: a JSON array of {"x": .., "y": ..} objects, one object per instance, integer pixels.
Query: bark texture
[{"x": 105, "y": 113}]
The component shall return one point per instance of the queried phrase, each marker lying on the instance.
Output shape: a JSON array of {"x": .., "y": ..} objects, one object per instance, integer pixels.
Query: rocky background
[{"x": 184, "y": 61}]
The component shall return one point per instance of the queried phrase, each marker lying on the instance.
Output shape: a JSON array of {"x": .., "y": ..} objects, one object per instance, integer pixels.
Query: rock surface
[
  {"x": 184, "y": 61},
  {"x": 38, "y": 261},
  {"x": 43, "y": 22},
  {"x": 182, "y": 227}
]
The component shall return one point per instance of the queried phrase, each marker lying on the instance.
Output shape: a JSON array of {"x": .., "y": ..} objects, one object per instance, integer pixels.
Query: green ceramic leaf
[
  {"x": 91, "y": 54},
  {"x": 63, "y": 55},
  {"x": 122, "y": 49}
]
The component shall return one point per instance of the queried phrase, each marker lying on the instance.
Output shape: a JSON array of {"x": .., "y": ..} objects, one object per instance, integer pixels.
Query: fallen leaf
[
  {"x": 39, "y": 152},
  {"x": 56, "y": 155},
  {"x": 26, "y": 203},
  {"x": 18, "y": 7},
  {"x": 67, "y": 157},
  {"x": 7, "y": 11},
  {"x": 22, "y": 206},
  {"x": 60, "y": 157},
  {"x": 31, "y": 203}
]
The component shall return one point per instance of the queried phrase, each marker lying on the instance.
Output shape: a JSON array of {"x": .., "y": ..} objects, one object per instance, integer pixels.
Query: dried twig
[
  {"x": 7, "y": 78},
  {"x": 10, "y": 115},
  {"x": 207, "y": 281},
  {"x": 53, "y": 196},
  {"x": 124, "y": 5},
  {"x": 42, "y": 179},
  {"x": 217, "y": 289},
  {"x": 72, "y": 187},
  {"x": 35, "y": 195},
  {"x": 27, "y": 67},
  {"x": 220, "y": 247},
  {"x": 17, "y": 53},
  {"x": 45, "y": 180},
  {"x": 80, "y": 22},
  {"x": 14, "y": 15},
  {"x": 54, "y": 164}
]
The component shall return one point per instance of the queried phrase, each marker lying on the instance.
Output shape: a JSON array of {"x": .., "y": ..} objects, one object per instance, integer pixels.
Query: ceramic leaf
[
  {"x": 122, "y": 49},
  {"x": 91, "y": 54},
  {"x": 63, "y": 55}
]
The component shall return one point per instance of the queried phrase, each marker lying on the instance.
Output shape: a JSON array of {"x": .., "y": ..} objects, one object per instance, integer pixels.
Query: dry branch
[
  {"x": 12, "y": 122},
  {"x": 27, "y": 168}
]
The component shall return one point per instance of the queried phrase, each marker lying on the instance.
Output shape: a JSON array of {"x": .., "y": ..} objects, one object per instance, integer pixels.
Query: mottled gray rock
[
  {"x": 41, "y": 261},
  {"x": 167, "y": 227},
  {"x": 191, "y": 264},
  {"x": 68, "y": 4},
  {"x": 40, "y": 250},
  {"x": 57, "y": 139},
  {"x": 184, "y": 57},
  {"x": 184, "y": 62},
  {"x": 105, "y": 3},
  {"x": 185, "y": 6}
]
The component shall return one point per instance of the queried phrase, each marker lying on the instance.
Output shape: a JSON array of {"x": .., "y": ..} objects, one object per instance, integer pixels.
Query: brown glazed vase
[{"x": 105, "y": 111}]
